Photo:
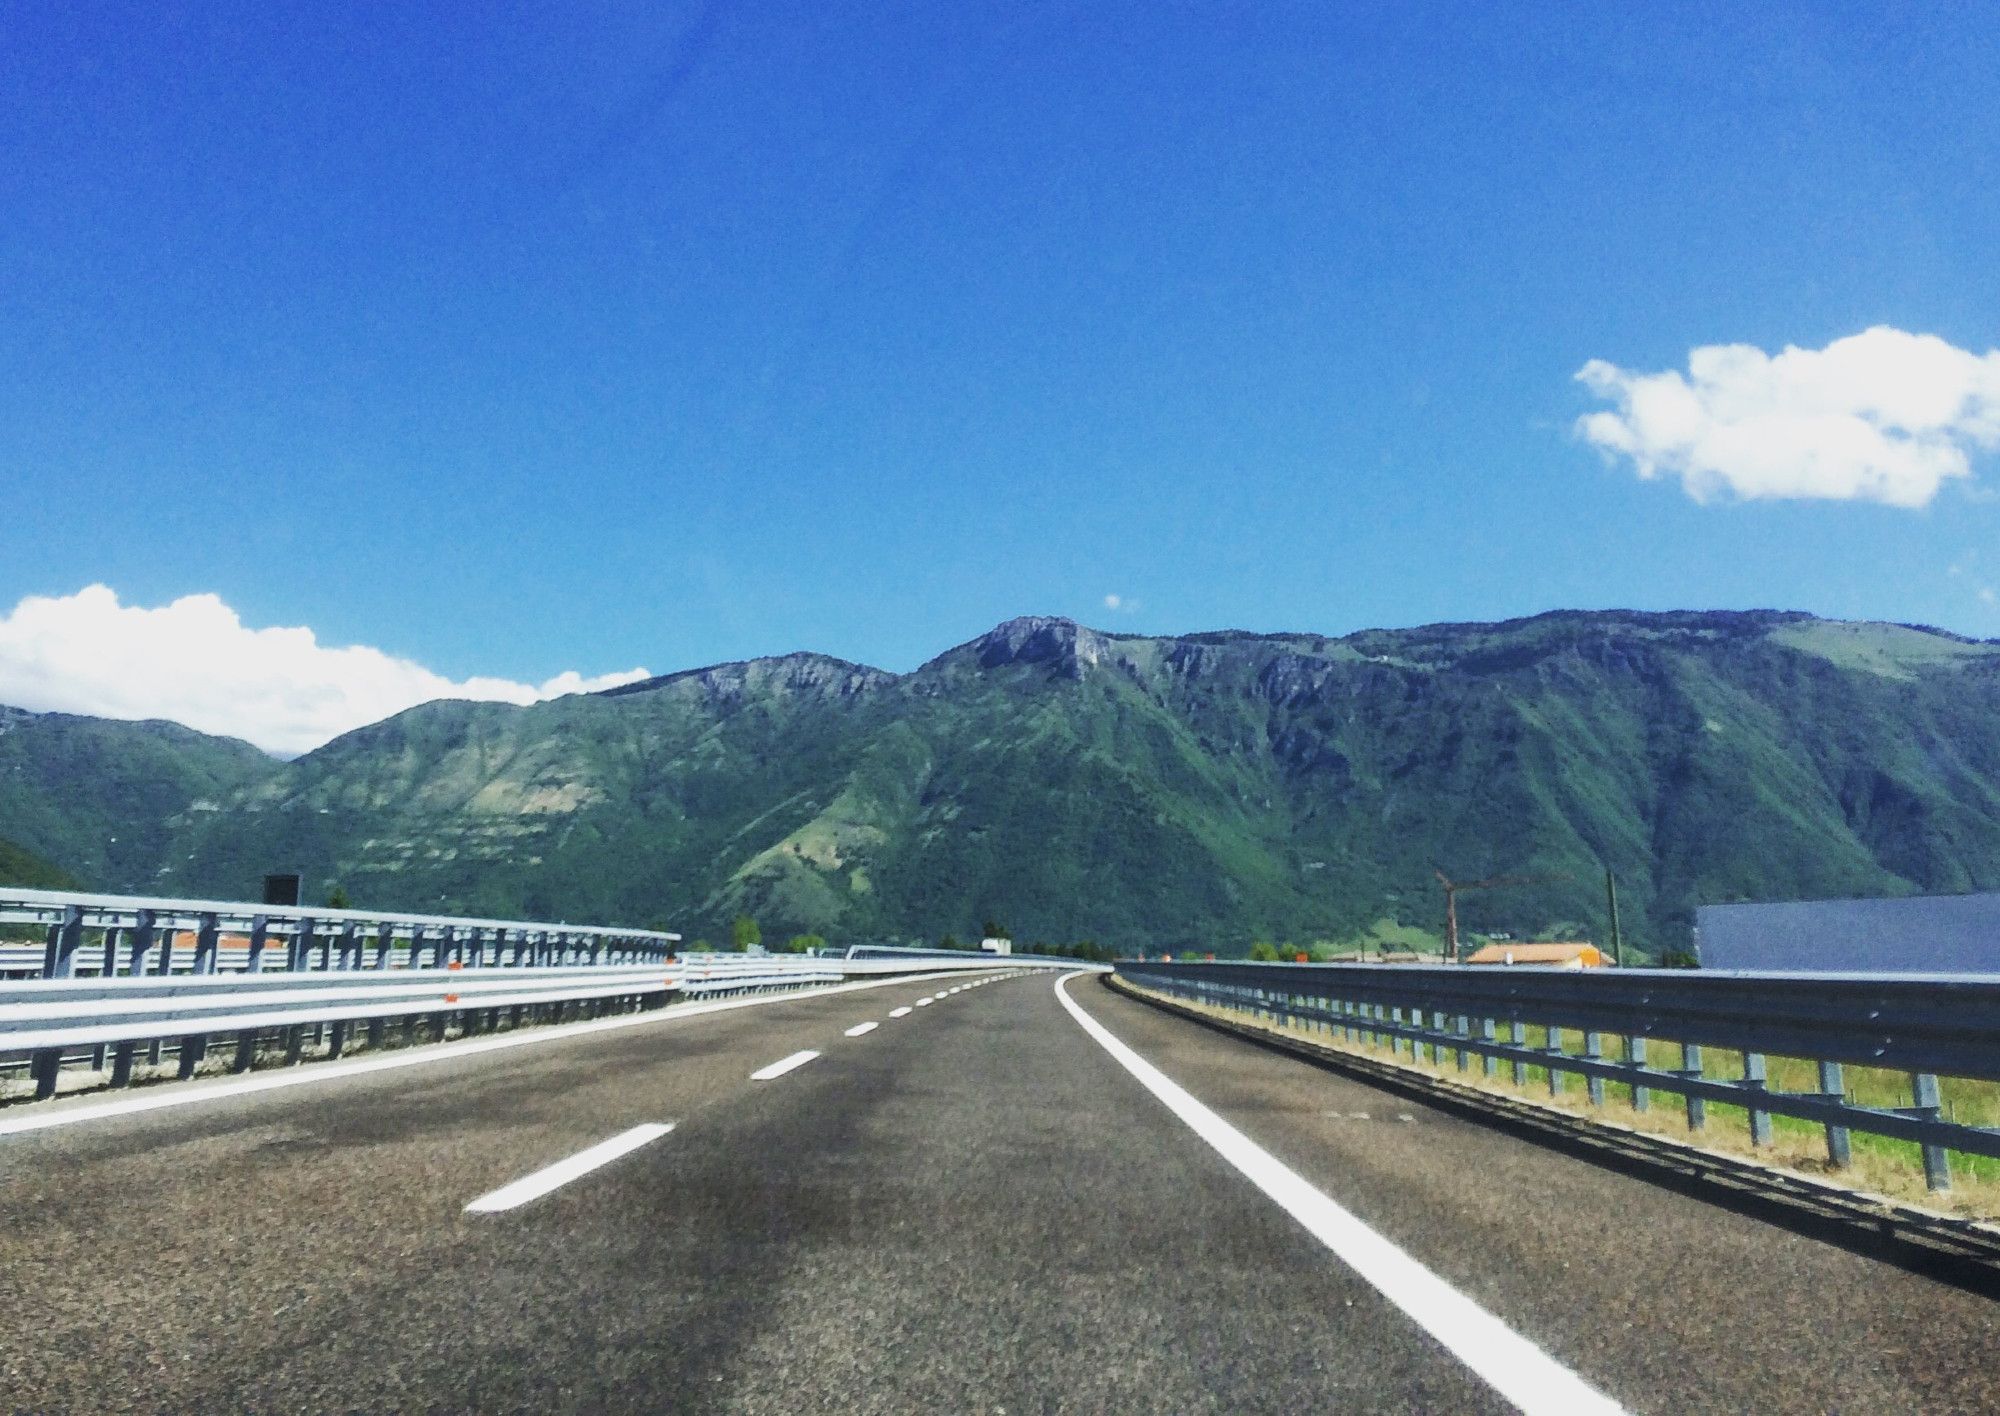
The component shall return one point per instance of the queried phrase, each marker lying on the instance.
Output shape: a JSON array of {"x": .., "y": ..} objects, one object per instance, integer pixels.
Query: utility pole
[
  {"x": 1611, "y": 898},
  {"x": 1451, "y": 889}
]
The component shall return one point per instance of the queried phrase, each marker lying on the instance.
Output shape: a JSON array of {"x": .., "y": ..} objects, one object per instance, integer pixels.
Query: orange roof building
[{"x": 1567, "y": 954}]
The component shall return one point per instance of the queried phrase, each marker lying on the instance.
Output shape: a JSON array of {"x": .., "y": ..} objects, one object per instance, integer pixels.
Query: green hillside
[
  {"x": 1199, "y": 790},
  {"x": 101, "y": 799},
  {"x": 24, "y": 868}
]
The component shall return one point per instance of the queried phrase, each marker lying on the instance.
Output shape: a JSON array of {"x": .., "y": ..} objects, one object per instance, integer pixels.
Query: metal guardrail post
[
  {"x": 1635, "y": 1054},
  {"x": 298, "y": 949},
  {"x": 385, "y": 943},
  {"x": 1593, "y": 1085},
  {"x": 43, "y": 1067},
  {"x": 1833, "y": 1086},
  {"x": 260, "y": 938},
  {"x": 59, "y": 957},
  {"x": 1552, "y": 1045},
  {"x": 1754, "y": 1080},
  {"x": 1929, "y": 1105},
  {"x": 1697, "y": 1107},
  {"x": 207, "y": 944},
  {"x": 142, "y": 941},
  {"x": 1517, "y": 1034}
]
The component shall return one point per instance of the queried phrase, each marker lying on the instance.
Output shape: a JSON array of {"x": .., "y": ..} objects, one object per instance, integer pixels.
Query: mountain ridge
[{"x": 1195, "y": 789}]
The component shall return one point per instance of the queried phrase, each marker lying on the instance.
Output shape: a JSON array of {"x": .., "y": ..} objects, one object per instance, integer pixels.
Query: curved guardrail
[
  {"x": 134, "y": 934},
  {"x": 115, "y": 973},
  {"x": 1926, "y": 1025}
]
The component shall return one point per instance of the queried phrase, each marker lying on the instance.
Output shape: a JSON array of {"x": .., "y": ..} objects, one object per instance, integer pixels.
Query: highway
[{"x": 974, "y": 1205}]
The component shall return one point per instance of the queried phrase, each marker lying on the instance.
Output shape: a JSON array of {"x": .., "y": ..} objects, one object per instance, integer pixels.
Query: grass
[{"x": 1880, "y": 1164}]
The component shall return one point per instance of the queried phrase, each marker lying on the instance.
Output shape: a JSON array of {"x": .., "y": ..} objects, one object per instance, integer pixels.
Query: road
[{"x": 972, "y": 1206}]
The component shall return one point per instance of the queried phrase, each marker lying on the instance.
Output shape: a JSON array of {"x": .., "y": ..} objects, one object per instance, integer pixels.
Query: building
[
  {"x": 1913, "y": 934},
  {"x": 996, "y": 946},
  {"x": 1566, "y": 954}
]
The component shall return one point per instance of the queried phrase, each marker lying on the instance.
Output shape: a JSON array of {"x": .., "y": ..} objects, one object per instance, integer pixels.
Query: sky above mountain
[{"x": 352, "y": 359}]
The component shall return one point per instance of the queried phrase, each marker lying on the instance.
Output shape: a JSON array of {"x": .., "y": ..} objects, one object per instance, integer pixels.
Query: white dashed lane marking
[
  {"x": 782, "y": 1066},
  {"x": 533, "y": 1187}
]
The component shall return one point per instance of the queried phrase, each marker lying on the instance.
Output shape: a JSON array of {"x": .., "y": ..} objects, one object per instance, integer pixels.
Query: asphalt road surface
[{"x": 974, "y": 1206}]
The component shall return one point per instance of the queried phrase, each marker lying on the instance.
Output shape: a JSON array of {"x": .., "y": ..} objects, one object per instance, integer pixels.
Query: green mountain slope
[
  {"x": 19, "y": 867},
  {"x": 101, "y": 799},
  {"x": 1204, "y": 789}
]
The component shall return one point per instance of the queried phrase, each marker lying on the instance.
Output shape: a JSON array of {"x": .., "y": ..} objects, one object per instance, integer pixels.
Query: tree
[
  {"x": 744, "y": 932},
  {"x": 950, "y": 941},
  {"x": 1263, "y": 951},
  {"x": 804, "y": 943},
  {"x": 336, "y": 899},
  {"x": 991, "y": 929}
]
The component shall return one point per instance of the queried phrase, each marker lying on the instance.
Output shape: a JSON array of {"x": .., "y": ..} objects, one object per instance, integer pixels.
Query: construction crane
[{"x": 1492, "y": 882}]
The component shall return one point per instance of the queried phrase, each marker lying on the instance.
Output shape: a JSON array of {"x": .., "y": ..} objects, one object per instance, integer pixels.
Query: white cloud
[
  {"x": 195, "y": 662},
  {"x": 1882, "y": 416},
  {"x": 1120, "y": 604}
]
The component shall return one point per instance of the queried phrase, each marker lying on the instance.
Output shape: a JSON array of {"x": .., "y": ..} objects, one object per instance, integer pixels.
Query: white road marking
[
  {"x": 533, "y": 1187},
  {"x": 192, "y": 1093},
  {"x": 859, "y": 1029},
  {"x": 899, "y": 1012},
  {"x": 1512, "y": 1365},
  {"x": 782, "y": 1066},
  {"x": 925, "y": 1002}
]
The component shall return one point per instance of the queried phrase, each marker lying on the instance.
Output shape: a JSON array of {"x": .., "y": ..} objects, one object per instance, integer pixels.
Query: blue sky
[{"x": 581, "y": 338}]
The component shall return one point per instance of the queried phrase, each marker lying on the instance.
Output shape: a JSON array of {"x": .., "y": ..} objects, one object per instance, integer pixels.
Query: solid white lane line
[
  {"x": 782, "y": 1066},
  {"x": 192, "y": 1093},
  {"x": 533, "y": 1187},
  {"x": 1512, "y": 1365},
  {"x": 861, "y": 1029},
  {"x": 899, "y": 1012}
]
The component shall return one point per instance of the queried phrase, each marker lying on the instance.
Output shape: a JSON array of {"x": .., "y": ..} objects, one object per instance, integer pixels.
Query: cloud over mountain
[
  {"x": 1881, "y": 416},
  {"x": 195, "y": 662}
]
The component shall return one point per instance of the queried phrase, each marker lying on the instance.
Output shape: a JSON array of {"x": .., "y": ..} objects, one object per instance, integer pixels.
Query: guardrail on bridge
[{"x": 117, "y": 973}]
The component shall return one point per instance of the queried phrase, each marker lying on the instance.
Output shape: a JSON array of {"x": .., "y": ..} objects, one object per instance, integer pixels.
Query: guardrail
[
  {"x": 904, "y": 951},
  {"x": 112, "y": 935},
  {"x": 118, "y": 973},
  {"x": 1926, "y": 1026}
]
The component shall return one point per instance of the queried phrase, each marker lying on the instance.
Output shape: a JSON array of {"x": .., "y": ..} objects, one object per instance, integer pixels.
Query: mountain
[
  {"x": 24, "y": 868},
  {"x": 1204, "y": 789},
  {"x": 101, "y": 799}
]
